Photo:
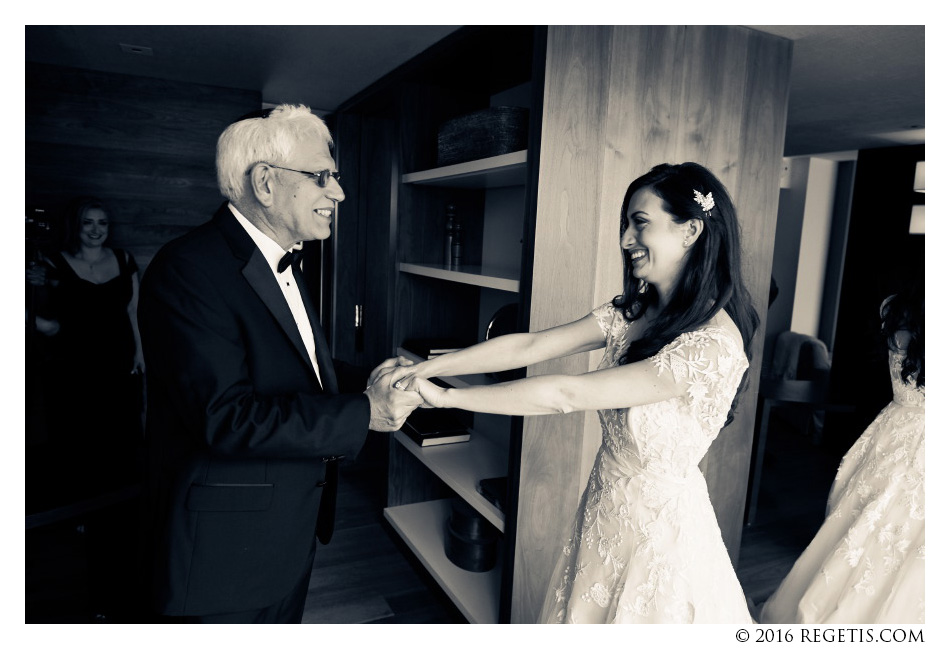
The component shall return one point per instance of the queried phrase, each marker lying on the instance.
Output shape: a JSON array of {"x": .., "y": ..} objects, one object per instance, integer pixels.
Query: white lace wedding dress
[
  {"x": 646, "y": 546},
  {"x": 866, "y": 563}
]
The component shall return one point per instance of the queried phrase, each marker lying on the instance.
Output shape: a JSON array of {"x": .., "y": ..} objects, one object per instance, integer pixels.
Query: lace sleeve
[
  {"x": 711, "y": 363},
  {"x": 605, "y": 316}
]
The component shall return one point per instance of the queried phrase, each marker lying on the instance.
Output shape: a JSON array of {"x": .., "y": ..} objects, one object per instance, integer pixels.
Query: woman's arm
[
  {"x": 138, "y": 363},
  {"x": 46, "y": 326},
  {"x": 619, "y": 387},
  {"x": 506, "y": 352},
  {"x": 42, "y": 271},
  {"x": 688, "y": 368}
]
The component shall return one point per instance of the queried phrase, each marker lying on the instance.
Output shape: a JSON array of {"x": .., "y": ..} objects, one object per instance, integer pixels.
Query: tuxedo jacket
[{"x": 237, "y": 424}]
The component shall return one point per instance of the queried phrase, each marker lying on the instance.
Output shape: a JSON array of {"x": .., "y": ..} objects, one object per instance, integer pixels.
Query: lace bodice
[{"x": 669, "y": 437}]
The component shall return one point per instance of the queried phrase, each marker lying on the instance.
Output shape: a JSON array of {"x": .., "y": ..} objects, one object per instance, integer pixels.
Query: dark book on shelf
[
  {"x": 495, "y": 490},
  {"x": 431, "y": 347},
  {"x": 434, "y": 426}
]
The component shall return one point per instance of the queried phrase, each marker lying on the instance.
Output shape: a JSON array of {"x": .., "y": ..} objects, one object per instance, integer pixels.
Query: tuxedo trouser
[{"x": 289, "y": 610}]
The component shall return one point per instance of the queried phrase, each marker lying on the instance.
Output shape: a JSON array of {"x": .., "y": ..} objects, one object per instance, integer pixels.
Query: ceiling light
[{"x": 917, "y": 220}]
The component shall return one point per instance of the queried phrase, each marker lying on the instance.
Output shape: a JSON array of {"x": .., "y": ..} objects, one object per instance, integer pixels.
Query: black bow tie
[{"x": 292, "y": 257}]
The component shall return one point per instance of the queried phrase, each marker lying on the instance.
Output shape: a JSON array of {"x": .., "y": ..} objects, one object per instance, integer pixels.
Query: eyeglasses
[{"x": 321, "y": 177}]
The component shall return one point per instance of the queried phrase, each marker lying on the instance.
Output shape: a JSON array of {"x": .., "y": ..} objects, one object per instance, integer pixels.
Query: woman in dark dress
[{"x": 95, "y": 404}]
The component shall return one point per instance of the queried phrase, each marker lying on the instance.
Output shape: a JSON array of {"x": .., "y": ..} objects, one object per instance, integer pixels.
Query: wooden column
[{"x": 619, "y": 100}]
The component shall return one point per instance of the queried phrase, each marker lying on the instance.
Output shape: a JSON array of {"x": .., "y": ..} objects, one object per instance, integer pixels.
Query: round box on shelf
[{"x": 470, "y": 540}]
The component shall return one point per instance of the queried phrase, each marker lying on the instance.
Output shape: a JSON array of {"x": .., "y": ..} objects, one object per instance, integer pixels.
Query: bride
[
  {"x": 866, "y": 563},
  {"x": 645, "y": 546}
]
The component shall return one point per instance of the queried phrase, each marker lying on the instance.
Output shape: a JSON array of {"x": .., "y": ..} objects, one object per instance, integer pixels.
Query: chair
[
  {"x": 800, "y": 357},
  {"x": 798, "y": 382}
]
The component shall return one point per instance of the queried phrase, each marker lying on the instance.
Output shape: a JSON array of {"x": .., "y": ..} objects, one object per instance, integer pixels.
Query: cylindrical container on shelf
[
  {"x": 449, "y": 234},
  {"x": 470, "y": 540},
  {"x": 457, "y": 244}
]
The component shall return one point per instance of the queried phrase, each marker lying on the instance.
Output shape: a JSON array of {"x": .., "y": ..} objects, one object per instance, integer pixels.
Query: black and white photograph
[{"x": 494, "y": 324}]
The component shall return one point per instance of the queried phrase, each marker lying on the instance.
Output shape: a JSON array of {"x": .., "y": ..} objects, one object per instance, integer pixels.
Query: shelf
[
  {"x": 461, "y": 466},
  {"x": 421, "y": 526},
  {"x": 463, "y": 381},
  {"x": 502, "y": 280},
  {"x": 505, "y": 170}
]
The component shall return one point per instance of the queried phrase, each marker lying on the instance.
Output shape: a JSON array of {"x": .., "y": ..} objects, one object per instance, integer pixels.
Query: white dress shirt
[{"x": 288, "y": 285}]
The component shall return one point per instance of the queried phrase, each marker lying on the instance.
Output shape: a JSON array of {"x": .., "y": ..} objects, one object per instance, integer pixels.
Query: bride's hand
[{"x": 432, "y": 395}]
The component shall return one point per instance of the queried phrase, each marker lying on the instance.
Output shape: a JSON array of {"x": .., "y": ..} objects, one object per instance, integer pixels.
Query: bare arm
[
  {"x": 619, "y": 387},
  {"x": 690, "y": 367},
  {"x": 505, "y": 352},
  {"x": 138, "y": 363}
]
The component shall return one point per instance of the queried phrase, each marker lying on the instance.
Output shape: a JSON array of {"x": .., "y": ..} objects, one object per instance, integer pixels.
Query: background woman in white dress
[
  {"x": 645, "y": 546},
  {"x": 866, "y": 563}
]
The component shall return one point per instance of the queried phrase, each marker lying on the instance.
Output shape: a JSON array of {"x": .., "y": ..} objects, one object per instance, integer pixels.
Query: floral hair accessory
[{"x": 707, "y": 202}]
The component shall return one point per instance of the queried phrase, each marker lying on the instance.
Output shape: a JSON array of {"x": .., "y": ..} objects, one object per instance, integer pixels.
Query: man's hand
[
  {"x": 388, "y": 407},
  {"x": 386, "y": 367}
]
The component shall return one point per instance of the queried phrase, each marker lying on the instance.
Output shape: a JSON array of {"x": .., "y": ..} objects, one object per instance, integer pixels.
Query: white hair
[{"x": 263, "y": 139}]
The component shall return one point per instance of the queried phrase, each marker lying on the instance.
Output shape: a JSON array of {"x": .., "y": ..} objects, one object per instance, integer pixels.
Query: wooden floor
[
  {"x": 797, "y": 476},
  {"x": 365, "y": 575}
]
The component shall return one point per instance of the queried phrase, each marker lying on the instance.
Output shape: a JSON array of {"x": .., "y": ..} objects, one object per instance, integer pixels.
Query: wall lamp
[{"x": 917, "y": 211}]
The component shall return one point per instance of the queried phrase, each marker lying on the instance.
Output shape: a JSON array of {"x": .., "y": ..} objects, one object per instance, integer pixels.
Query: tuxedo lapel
[
  {"x": 324, "y": 358},
  {"x": 259, "y": 275},
  {"x": 261, "y": 278}
]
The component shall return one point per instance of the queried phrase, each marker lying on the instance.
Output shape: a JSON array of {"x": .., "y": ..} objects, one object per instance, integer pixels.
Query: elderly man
[{"x": 245, "y": 421}]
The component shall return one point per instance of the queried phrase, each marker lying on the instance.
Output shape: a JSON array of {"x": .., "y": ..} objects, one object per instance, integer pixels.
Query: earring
[
  {"x": 642, "y": 288},
  {"x": 686, "y": 242}
]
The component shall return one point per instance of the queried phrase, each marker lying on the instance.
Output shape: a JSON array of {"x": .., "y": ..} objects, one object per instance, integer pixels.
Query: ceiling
[{"x": 852, "y": 87}]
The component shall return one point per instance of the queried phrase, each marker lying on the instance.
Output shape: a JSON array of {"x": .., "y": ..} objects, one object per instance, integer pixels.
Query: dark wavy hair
[
  {"x": 77, "y": 209},
  {"x": 905, "y": 312},
  {"x": 711, "y": 278}
]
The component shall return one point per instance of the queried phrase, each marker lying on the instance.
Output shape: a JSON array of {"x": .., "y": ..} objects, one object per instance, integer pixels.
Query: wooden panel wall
[
  {"x": 619, "y": 100},
  {"x": 144, "y": 145},
  {"x": 760, "y": 91},
  {"x": 572, "y": 146},
  {"x": 365, "y": 233}
]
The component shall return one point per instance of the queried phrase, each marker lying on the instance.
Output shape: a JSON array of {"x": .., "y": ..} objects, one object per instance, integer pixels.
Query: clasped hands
[{"x": 395, "y": 388}]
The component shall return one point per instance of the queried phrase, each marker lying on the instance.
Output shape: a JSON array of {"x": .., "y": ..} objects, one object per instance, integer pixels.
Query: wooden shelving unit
[
  {"x": 422, "y": 527},
  {"x": 391, "y": 135},
  {"x": 461, "y": 466},
  {"x": 504, "y": 170},
  {"x": 499, "y": 279}
]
